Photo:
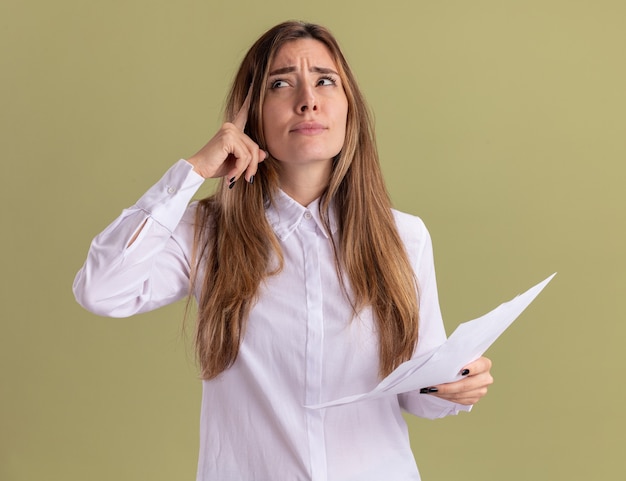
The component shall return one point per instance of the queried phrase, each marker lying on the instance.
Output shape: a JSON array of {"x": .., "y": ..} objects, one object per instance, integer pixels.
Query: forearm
[{"x": 141, "y": 260}]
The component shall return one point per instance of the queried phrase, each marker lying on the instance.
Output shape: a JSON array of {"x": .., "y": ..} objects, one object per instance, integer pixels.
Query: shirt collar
[{"x": 285, "y": 215}]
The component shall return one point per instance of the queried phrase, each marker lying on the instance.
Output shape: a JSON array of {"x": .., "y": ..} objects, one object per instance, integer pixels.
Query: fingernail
[
  {"x": 231, "y": 185},
  {"x": 464, "y": 372},
  {"x": 232, "y": 180},
  {"x": 251, "y": 179},
  {"x": 426, "y": 390}
]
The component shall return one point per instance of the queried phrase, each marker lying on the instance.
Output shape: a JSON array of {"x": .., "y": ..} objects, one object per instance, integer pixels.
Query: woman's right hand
[{"x": 230, "y": 153}]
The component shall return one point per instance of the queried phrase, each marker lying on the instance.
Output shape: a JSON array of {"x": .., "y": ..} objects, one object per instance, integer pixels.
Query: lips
[{"x": 308, "y": 128}]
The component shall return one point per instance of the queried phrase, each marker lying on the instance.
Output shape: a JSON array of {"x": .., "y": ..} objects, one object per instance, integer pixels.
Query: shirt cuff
[
  {"x": 167, "y": 200},
  {"x": 430, "y": 407}
]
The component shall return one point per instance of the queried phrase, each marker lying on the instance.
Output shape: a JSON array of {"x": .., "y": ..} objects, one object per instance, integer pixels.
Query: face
[{"x": 305, "y": 108}]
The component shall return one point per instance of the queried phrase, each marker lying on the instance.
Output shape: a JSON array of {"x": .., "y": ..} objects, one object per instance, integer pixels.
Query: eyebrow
[{"x": 291, "y": 69}]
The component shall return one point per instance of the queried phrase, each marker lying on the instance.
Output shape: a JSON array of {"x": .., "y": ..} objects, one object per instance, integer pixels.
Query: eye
[
  {"x": 325, "y": 81},
  {"x": 277, "y": 84}
]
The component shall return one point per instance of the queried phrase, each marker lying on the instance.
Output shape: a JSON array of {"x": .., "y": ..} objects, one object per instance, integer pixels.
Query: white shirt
[{"x": 302, "y": 345}]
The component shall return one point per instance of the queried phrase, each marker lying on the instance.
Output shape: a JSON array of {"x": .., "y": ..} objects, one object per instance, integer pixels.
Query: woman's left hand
[{"x": 468, "y": 390}]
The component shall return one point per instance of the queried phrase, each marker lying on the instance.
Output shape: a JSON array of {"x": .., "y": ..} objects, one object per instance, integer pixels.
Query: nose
[
  {"x": 305, "y": 106},
  {"x": 307, "y": 100}
]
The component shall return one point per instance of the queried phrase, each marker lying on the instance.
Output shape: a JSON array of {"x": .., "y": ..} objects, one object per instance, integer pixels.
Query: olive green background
[{"x": 501, "y": 123}]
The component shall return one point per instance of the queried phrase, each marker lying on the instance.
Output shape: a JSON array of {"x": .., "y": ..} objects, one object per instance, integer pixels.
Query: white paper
[{"x": 466, "y": 344}]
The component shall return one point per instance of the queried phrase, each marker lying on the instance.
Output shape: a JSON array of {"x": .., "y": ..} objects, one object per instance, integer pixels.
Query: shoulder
[
  {"x": 413, "y": 233},
  {"x": 410, "y": 227}
]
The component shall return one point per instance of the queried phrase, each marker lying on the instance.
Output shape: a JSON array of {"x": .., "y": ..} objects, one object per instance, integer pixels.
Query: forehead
[{"x": 304, "y": 49}]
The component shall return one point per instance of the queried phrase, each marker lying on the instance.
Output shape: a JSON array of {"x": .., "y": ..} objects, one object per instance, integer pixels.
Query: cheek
[
  {"x": 270, "y": 131},
  {"x": 267, "y": 123},
  {"x": 271, "y": 115},
  {"x": 343, "y": 117},
  {"x": 342, "y": 111}
]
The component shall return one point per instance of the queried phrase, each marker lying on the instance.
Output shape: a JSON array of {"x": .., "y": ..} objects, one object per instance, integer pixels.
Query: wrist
[{"x": 193, "y": 161}]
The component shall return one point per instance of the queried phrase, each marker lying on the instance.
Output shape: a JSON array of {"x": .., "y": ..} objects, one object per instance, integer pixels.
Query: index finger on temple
[{"x": 242, "y": 116}]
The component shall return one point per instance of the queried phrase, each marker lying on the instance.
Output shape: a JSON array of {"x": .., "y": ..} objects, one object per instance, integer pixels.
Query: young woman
[{"x": 309, "y": 286}]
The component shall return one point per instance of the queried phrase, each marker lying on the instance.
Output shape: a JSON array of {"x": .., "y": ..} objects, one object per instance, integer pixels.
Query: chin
[{"x": 306, "y": 159}]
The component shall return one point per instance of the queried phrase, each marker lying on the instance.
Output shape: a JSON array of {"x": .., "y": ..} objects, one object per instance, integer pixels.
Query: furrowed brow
[
  {"x": 323, "y": 70},
  {"x": 291, "y": 69},
  {"x": 282, "y": 71}
]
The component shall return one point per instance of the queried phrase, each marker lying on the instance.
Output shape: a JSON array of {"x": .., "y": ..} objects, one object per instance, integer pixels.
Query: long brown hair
[{"x": 235, "y": 247}]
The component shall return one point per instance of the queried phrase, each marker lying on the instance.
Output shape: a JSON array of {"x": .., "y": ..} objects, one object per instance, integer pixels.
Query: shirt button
[
  {"x": 307, "y": 215},
  {"x": 170, "y": 189}
]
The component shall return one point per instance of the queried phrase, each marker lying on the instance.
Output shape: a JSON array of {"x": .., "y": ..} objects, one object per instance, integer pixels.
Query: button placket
[{"x": 314, "y": 350}]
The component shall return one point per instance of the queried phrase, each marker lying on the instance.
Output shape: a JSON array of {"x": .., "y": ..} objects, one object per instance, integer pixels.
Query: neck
[{"x": 304, "y": 183}]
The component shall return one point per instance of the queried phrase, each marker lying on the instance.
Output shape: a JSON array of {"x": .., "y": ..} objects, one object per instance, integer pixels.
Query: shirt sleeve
[
  {"x": 431, "y": 329},
  {"x": 118, "y": 280}
]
